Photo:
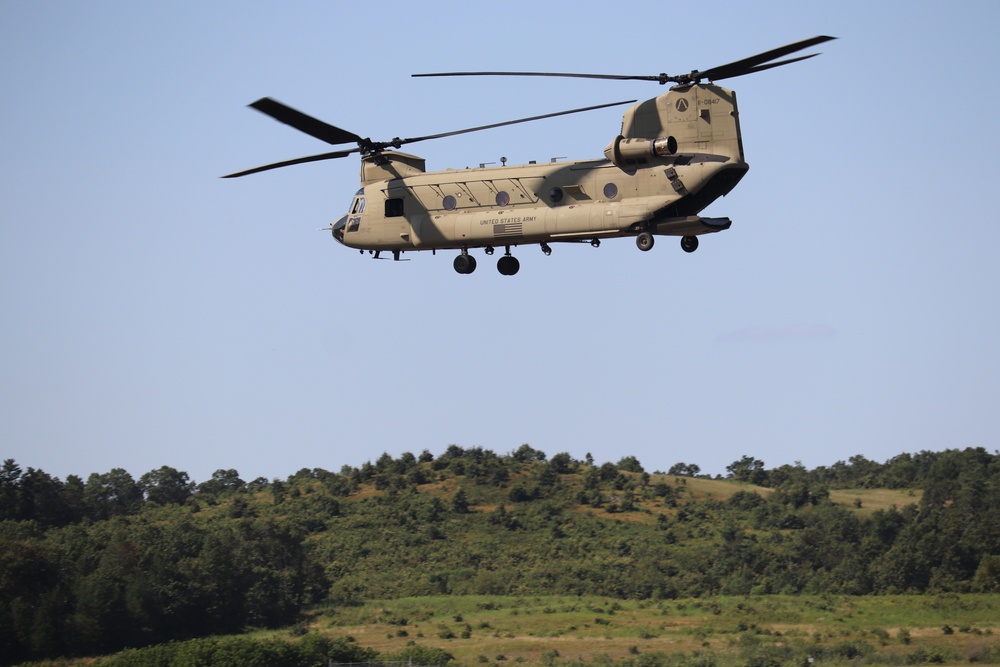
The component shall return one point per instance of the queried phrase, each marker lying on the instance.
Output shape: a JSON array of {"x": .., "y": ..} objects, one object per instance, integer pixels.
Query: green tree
[
  {"x": 630, "y": 464},
  {"x": 10, "y": 489},
  {"x": 222, "y": 482},
  {"x": 113, "y": 493},
  {"x": 460, "y": 501},
  {"x": 748, "y": 469},
  {"x": 526, "y": 453},
  {"x": 562, "y": 463},
  {"x": 166, "y": 485},
  {"x": 43, "y": 499},
  {"x": 684, "y": 470},
  {"x": 608, "y": 471}
]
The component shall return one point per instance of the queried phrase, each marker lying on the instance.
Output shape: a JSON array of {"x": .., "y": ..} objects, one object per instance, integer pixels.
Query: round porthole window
[
  {"x": 449, "y": 203},
  {"x": 503, "y": 198},
  {"x": 610, "y": 191},
  {"x": 556, "y": 195}
]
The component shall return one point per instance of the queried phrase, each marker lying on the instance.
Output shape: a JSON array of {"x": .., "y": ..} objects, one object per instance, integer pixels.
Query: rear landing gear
[
  {"x": 644, "y": 241},
  {"x": 689, "y": 243},
  {"x": 465, "y": 263}
]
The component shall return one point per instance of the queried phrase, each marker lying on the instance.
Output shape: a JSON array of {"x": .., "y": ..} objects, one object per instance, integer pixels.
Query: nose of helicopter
[{"x": 338, "y": 229}]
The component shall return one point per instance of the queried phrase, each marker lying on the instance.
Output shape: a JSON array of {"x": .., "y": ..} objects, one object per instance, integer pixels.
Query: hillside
[{"x": 90, "y": 567}]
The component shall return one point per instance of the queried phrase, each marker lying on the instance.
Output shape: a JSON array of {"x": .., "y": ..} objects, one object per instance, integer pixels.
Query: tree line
[{"x": 90, "y": 567}]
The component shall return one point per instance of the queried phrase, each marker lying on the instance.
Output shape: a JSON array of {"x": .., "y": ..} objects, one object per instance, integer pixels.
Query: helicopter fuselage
[{"x": 676, "y": 154}]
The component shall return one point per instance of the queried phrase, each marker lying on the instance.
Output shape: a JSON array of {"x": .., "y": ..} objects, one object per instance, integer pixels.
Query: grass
[
  {"x": 528, "y": 631},
  {"x": 875, "y": 499},
  {"x": 870, "y": 499}
]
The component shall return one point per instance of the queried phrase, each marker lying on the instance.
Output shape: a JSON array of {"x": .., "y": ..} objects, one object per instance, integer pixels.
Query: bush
[
  {"x": 422, "y": 655},
  {"x": 311, "y": 651}
]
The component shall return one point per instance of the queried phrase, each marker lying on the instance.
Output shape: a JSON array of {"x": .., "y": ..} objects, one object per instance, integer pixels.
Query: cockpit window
[{"x": 357, "y": 208}]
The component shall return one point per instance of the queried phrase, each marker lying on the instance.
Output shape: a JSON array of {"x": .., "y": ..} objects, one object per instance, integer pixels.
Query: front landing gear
[
  {"x": 508, "y": 265},
  {"x": 465, "y": 263}
]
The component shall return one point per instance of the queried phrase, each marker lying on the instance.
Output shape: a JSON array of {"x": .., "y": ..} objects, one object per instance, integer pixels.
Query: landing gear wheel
[
  {"x": 465, "y": 264},
  {"x": 508, "y": 265},
  {"x": 644, "y": 241},
  {"x": 689, "y": 243}
]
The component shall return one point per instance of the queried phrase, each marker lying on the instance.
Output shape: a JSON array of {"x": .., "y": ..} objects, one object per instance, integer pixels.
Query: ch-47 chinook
[{"x": 675, "y": 155}]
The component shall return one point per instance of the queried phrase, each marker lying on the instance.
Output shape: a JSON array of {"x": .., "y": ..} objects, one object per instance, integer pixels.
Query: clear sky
[{"x": 154, "y": 314}]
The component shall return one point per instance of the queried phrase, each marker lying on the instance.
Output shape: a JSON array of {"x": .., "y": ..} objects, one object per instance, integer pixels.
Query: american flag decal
[{"x": 507, "y": 229}]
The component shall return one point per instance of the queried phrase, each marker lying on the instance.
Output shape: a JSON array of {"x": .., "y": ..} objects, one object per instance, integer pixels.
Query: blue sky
[{"x": 154, "y": 314}]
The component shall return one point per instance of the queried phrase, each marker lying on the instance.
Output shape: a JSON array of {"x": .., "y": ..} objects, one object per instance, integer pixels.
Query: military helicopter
[{"x": 676, "y": 154}]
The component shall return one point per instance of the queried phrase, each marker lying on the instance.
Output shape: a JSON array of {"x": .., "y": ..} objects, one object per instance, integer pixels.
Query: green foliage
[
  {"x": 630, "y": 464},
  {"x": 222, "y": 482},
  {"x": 94, "y": 566},
  {"x": 460, "y": 502},
  {"x": 421, "y": 655},
  {"x": 166, "y": 485},
  {"x": 111, "y": 494},
  {"x": 311, "y": 651},
  {"x": 526, "y": 453},
  {"x": 684, "y": 469},
  {"x": 138, "y": 582},
  {"x": 747, "y": 469}
]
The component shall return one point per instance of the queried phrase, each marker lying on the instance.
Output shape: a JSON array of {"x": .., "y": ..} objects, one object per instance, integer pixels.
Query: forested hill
[{"x": 91, "y": 566}]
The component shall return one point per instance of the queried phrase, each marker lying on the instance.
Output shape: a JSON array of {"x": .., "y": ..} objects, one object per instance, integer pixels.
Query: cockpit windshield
[{"x": 357, "y": 208}]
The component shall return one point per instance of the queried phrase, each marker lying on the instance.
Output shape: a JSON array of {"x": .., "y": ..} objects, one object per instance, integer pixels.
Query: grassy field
[
  {"x": 864, "y": 501},
  {"x": 754, "y": 631}
]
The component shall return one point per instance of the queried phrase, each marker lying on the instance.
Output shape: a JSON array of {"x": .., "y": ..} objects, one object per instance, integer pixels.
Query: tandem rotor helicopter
[{"x": 676, "y": 154}]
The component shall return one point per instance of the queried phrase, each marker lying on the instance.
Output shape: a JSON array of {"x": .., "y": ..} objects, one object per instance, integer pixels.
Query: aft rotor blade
[
  {"x": 617, "y": 77},
  {"x": 512, "y": 122},
  {"x": 754, "y": 63},
  {"x": 288, "y": 163},
  {"x": 761, "y": 68},
  {"x": 738, "y": 68},
  {"x": 304, "y": 122}
]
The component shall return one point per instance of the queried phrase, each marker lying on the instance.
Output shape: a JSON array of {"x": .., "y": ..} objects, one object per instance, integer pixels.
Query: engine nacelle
[{"x": 627, "y": 154}]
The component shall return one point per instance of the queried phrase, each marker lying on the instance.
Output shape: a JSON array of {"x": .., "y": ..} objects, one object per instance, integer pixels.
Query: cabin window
[
  {"x": 503, "y": 198},
  {"x": 359, "y": 206},
  {"x": 394, "y": 207},
  {"x": 610, "y": 191},
  {"x": 449, "y": 203},
  {"x": 556, "y": 195}
]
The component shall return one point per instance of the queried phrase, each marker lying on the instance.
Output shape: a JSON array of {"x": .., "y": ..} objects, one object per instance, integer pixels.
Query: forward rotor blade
[
  {"x": 751, "y": 64},
  {"x": 288, "y": 163},
  {"x": 305, "y": 123},
  {"x": 512, "y": 122},
  {"x": 295, "y": 119}
]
